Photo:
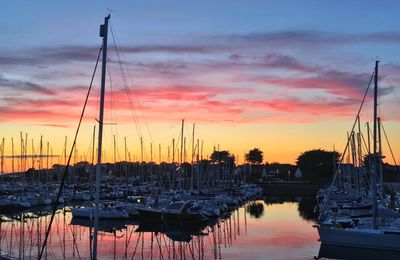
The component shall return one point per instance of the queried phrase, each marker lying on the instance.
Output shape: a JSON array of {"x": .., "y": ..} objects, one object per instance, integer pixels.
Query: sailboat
[
  {"x": 372, "y": 232},
  {"x": 105, "y": 210}
]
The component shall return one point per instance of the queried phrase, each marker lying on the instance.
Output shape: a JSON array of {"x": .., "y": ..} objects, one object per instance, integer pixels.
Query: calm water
[{"x": 263, "y": 229}]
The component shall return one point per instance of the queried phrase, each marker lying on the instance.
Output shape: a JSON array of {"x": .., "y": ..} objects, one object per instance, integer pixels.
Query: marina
[{"x": 169, "y": 130}]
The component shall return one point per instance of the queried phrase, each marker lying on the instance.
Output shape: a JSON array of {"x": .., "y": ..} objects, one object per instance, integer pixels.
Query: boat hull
[
  {"x": 103, "y": 214},
  {"x": 359, "y": 238}
]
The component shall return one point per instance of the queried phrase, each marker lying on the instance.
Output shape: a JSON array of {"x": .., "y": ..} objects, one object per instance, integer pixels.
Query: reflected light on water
[{"x": 257, "y": 230}]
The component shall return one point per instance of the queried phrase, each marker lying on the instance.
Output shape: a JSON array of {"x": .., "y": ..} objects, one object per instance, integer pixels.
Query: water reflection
[
  {"x": 255, "y": 209},
  {"x": 305, "y": 205},
  {"x": 306, "y": 208},
  {"x": 272, "y": 227}
]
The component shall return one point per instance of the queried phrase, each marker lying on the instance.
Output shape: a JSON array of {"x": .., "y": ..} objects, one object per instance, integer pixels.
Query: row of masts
[
  {"x": 358, "y": 147},
  {"x": 44, "y": 157}
]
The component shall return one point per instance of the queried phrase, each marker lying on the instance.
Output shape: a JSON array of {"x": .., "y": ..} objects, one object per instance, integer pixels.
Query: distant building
[{"x": 298, "y": 174}]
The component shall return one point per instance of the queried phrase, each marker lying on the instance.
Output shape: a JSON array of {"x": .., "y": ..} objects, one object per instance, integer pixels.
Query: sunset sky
[{"x": 283, "y": 76}]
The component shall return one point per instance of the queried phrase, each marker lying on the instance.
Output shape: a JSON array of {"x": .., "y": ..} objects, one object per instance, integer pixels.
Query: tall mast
[
  {"x": 26, "y": 152},
  {"x": 2, "y": 155},
  {"x": 380, "y": 156},
  {"x": 103, "y": 33},
  {"x": 374, "y": 169},
  {"x": 198, "y": 151},
  {"x": 173, "y": 150},
  {"x": 126, "y": 157},
  {"x": 47, "y": 164},
  {"x": 193, "y": 149},
  {"x": 141, "y": 149},
  {"x": 184, "y": 150},
  {"x": 159, "y": 153},
  {"x": 151, "y": 152},
  {"x": 21, "y": 152},
  {"x": 65, "y": 151},
  {"x": 183, "y": 122},
  {"x": 369, "y": 139},
  {"x": 41, "y": 153},
  {"x": 12, "y": 154},
  {"x": 201, "y": 152},
  {"x": 93, "y": 138},
  {"x": 115, "y": 150}
]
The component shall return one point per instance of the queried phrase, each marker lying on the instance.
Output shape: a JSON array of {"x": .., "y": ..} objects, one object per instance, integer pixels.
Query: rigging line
[
  {"x": 133, "y": 85},
  {"x": 390, "y": 147},
  {"x": 89, "y": 149},
  {"x": 112, "y": 114},
  {"x": 114, "y": 127},
  {"x": 130, "y": 101},
  {"x": 358, "y": 115},
  {"x": 348, "y": 142},
  {"x": 126, "y": 71},
  {"x": 64, "y": 177},
  {"x": 364, "y": 143},
  {"x": 124, "y": 79}
]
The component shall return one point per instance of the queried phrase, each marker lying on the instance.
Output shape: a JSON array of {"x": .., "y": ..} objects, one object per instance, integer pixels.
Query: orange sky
[{"x": 281, "y": 85}]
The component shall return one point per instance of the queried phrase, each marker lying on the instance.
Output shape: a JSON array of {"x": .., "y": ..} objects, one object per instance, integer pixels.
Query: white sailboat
[
  {"x": 106, "y": 211},
  {"x": 376, "y": 232}
]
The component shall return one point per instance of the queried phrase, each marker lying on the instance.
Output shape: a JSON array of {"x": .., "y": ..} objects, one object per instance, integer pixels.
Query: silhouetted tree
[
  {"x": 317, "y": 163},
  {"x": 223, "y": 157},
  {"x": 220, "y": 156},
  {"x": 254, "y": 156},
  {"x": 369, "y": 158}
]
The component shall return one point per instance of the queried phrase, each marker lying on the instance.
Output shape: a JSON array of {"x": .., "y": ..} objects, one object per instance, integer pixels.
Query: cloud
[
  {"x": 20, "y": 85},
  {"x": 12, "y": 114},
  {"x": 55, "y": 125},
  {"x": 65, "y": 54},
  {"x": 310, "y": 39},
  {"x": 223, "y": 78},
  {"x": 207, "y": 45},
  {"x": 333, "y": 82},
  {"x": 179, "y": 48},
  {"x": 42, "y": 103},
  {"x": 49, "y": 56},
  {"x": 161, "y": 103}
]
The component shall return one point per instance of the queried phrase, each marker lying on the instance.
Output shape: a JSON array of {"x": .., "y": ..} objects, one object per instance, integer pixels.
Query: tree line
[{"x": 315, "y": 164}]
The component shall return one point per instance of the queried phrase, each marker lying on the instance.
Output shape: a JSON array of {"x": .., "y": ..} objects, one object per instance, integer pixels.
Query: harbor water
[{"x": 269, "y": 228}]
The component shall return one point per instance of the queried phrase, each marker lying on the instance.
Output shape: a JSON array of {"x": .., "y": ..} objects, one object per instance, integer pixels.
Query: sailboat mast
[
  {"x": 183, "y": 122},
  {"x": 369, "y": 139},
  {"x": 93, "y": 138},
  {"x": 159, "y": 153},
  {"x": 12, "y": 153},
  {"x": 2, "y": 155},
  {"x": 126, "y": 157},
  {"x": 103, "y": 33},
  {"x": 173, "y": 150},
  {"x": 380, "y": 156},
  {"x": 374, "y": 169}
]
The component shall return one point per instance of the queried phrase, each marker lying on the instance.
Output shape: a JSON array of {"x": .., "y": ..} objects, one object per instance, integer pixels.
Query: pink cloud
[
  {"x": 210, "y": 104},
  {"x": 351, "y": 86}
]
